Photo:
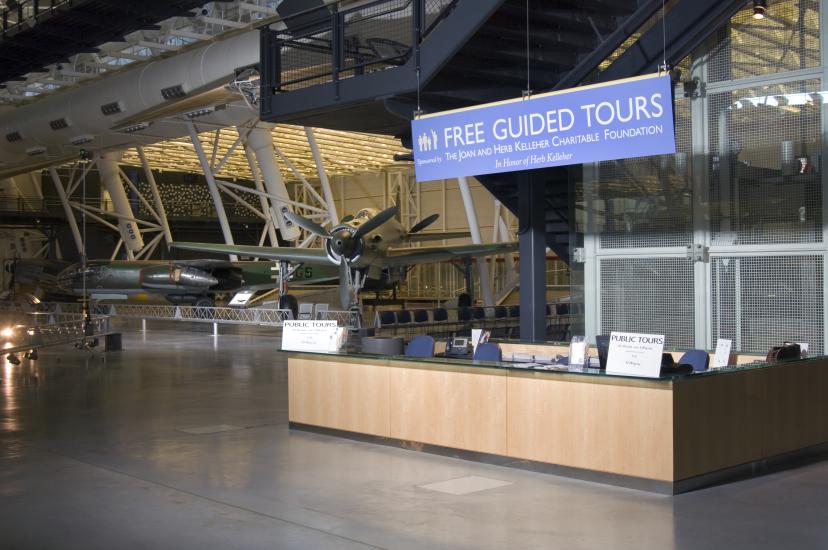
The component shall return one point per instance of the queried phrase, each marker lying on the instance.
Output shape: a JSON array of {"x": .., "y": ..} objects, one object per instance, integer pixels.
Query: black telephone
[{"x": 458, "y": 346}]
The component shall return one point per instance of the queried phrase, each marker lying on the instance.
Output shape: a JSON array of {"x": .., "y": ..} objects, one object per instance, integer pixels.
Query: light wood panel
[
  {"x": 659, "y": 430},
  {"x": 738, "y": 417},
  {"x": 463, "y": 410},
  {"x": 341, "y": 395},
  {"x": 618, "y": 429}
]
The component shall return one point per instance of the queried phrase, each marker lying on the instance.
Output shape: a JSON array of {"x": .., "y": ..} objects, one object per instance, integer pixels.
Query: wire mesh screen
[
  {"x": 647, "y": 201},
  {"x": 307, "y": 61},
  {"x": 433, "y": 11},
  {"x": 649, "y": 295},
  {"x": 786, "y": 40},
  {"x": 759, "y": 302},
  {"x": 765, "y": 145},
  {"x": 374, "y": 37},
  {"x": 378, "y": 36}
]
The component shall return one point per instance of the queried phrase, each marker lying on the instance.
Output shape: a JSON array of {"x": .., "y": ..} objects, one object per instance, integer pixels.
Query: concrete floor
[{"x": 92, "y": 455}]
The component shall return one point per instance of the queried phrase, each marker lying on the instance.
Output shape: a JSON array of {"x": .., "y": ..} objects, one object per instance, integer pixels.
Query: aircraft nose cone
[
  {"x": 197, "y": 277},
  {"x": 343, "y": 246}
]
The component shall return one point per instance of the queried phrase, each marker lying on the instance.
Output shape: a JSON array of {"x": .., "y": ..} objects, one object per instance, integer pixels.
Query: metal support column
[
  {"x": 257, "y": 180},
  {"x": 67, "y": 209},
  {"x": 260, "y": 141},
  {"x": 213, "y": 187},
  {"x": 111, "y": 180},
  {"x": 532, "y": 237},
  {"x": 323, "y": 177},
  {"x": 474, "y": 229},
  {"x": 156, "y": 196}
]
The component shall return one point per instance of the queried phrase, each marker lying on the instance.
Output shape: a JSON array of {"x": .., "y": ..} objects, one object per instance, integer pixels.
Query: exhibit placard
[
  {"x": 620, "y": 119},
  {"x": 318, "y": 336},
  {"x": 633, "y": 354},
  {"x": 721, "y": 357}
]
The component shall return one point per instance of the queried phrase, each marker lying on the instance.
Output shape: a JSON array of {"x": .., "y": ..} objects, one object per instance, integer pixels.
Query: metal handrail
[
  {"x": 34, "y": 9},
  {"x": 328, "y": 38},
  {"x": 31, "y": 337}
]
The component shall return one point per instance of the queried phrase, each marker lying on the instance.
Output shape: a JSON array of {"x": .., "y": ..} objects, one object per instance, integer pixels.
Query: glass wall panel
[
  {"x": 758, "y": 302},
  {"x": 766, "y": 145},
  {"x": 786, "y": 40},
  {"x": 648, "y": 295},
  {"x": 647, "y": 201}
]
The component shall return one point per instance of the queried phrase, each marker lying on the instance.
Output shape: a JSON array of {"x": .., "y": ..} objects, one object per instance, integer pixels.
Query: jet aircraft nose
[{"x": 197, "y": 277}]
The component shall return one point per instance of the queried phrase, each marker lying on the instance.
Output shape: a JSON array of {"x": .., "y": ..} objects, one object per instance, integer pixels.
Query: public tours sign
[{"x": 620, "y": 119}]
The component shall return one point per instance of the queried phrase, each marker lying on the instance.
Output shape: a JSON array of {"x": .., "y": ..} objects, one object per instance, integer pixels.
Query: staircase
[{"x": 369, "y": 68}]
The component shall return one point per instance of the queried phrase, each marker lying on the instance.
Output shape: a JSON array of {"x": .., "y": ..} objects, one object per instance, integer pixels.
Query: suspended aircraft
[{"x": 367, "y": 248}]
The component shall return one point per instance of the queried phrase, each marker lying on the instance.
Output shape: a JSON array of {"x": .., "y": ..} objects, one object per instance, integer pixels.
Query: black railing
[
  {"x": 26, "y": 12},
  {"x": 329, "y": 44}
]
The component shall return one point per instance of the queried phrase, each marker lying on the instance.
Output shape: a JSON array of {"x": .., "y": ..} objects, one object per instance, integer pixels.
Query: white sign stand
[
  {"x": 721, "y": 357},
  {"x": 633, "y": 354},
  {"x": 315, "y": 336}
]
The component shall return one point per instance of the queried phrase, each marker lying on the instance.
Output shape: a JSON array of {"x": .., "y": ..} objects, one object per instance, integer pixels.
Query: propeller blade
[
  {"x": 311, "y": 226},
  {"x": 344, "y": 284},
  {"x": 422, "y": 224},
  {"x": 375, "y": 222}
]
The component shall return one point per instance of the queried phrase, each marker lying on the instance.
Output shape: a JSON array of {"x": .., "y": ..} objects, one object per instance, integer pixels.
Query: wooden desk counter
[{"x": 668, "y": 434}]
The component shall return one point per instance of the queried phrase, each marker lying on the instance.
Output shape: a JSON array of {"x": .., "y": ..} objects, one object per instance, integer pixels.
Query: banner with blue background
[{"x": 621, "y": 119}]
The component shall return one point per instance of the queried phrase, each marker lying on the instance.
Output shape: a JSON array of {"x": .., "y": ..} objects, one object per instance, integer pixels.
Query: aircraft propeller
[
  {"x": 311, "y": 226},
  {"x": 344, "y": 245},
  {"x": 425, "y": 222}
]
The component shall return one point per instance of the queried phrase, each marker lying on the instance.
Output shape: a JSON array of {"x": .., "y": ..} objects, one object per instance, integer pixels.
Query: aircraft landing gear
[
  {"x": 202, "y": 307},
  {"x": 289, "y": 301}
]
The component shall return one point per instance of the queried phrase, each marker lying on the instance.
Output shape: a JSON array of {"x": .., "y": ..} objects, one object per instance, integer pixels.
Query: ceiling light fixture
[
  {"x": 136, "y": 127},
  {"x": 759, "y": 8}
]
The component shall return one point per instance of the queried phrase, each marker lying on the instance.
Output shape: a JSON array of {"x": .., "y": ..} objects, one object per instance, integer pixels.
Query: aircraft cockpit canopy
[{"x": 366, "y": 213}]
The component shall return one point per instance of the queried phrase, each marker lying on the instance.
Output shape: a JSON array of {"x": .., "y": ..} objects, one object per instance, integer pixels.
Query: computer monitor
[{"x": 602, "y": 342}]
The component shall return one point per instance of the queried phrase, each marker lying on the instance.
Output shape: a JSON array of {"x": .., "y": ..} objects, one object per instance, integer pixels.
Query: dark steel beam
[
  {"x": 588, "y": 64},
  {"x": 532, "y": 248},
  {"x": 688, "y": 24}
]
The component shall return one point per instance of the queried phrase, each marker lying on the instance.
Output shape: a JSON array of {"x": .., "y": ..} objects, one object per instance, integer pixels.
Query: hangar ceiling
[
  {"x": 69, "y": 42},
  {"x": 343, "y": 153}
]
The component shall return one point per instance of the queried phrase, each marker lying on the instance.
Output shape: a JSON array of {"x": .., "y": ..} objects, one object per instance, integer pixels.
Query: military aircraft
[
  {"x": 194, "y": 282},
  {"x": 366, "y": 247}
]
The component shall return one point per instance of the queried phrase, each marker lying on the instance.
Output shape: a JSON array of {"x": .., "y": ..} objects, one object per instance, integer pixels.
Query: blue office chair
[
  {"x": 478, "y": 313},
  {"x": 488, "y": 351},
  {"x": 440, "y": 314},
  {"x": 420, "y": 346},
  {"x": 387, "y": 318},
  {"x": 421, "y": 316},
  {"x": 464, "y": 314},
  {"x": 403, "y": 317},
  {"x": 698, "y": 358}
]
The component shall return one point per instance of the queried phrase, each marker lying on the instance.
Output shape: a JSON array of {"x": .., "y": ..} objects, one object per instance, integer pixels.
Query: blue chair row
[{"x": 407, "y": 317}]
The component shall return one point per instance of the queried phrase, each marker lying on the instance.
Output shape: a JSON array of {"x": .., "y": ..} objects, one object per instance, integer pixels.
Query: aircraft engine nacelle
[{"x": 164, "y": 277}]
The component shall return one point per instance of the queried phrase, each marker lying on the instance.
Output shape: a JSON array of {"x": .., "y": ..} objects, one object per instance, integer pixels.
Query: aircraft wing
[
  {"x": 420, "y": 237},
  {"x": 204, "y": 263},
  {"x": 407, "y": 256},
  {"x": 284, "y": 253}
]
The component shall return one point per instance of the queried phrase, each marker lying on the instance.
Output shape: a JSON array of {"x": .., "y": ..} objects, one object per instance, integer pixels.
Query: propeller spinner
[{"x": 345, "y": 243}]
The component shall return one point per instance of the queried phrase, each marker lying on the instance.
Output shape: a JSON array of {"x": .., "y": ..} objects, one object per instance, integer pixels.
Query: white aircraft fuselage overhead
[{"x": 41, "y": 133}]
